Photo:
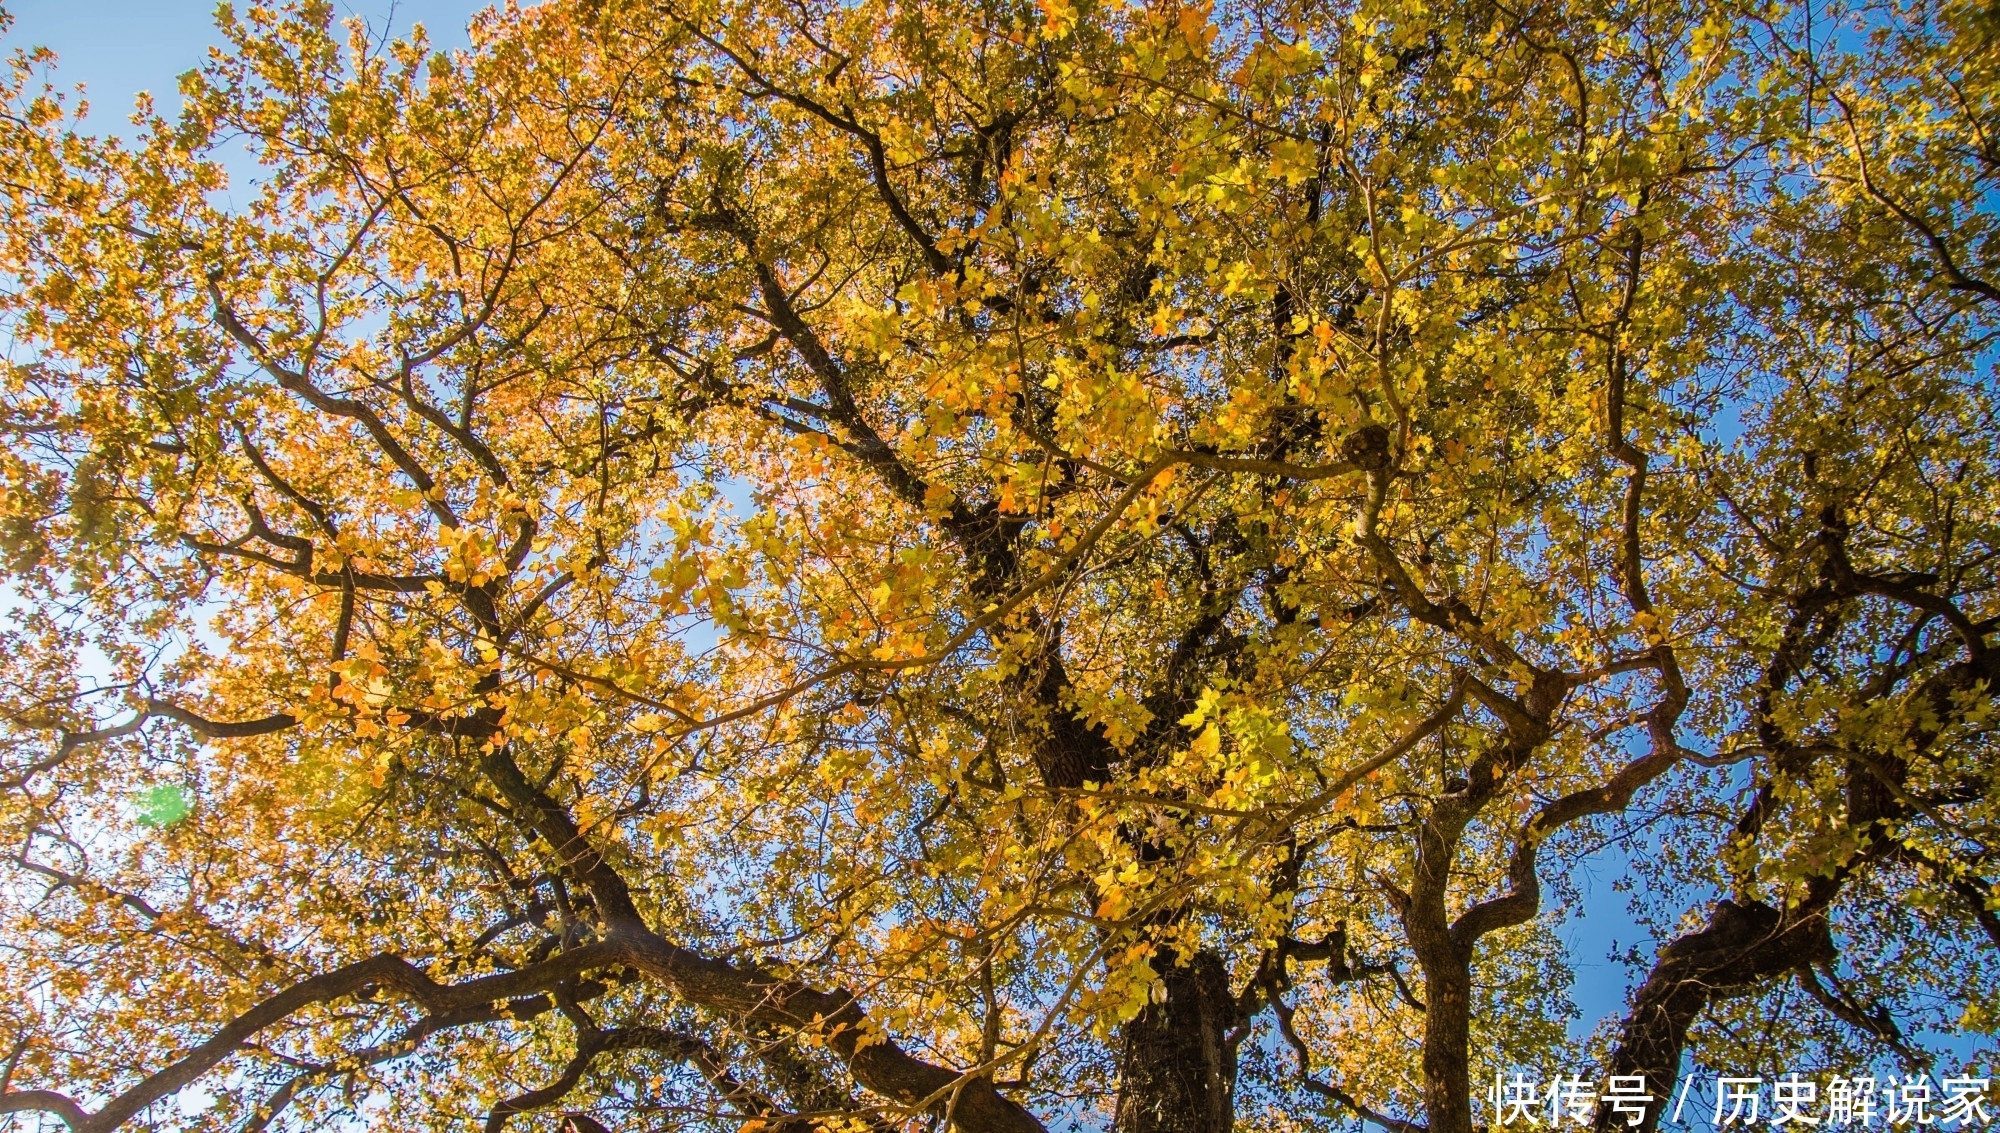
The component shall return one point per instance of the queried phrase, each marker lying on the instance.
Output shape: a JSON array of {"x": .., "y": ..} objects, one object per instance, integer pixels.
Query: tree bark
[
  {"x": 1447, "y": 970},
  {"x": 1177, "y": 1071},
  {"x": 1447, "y": 1047},
  {"x": 1744, "y": 944}
]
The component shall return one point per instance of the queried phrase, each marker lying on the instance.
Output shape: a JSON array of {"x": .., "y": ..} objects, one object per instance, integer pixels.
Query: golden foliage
[{"x": 749, "y": 564}]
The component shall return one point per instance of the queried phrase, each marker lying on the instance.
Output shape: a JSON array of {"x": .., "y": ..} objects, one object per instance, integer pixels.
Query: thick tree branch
[
  {"x": 46, "y": 1101},
  {"x": 1745, "y": 943},
  {"x": 381, "y": 972}
]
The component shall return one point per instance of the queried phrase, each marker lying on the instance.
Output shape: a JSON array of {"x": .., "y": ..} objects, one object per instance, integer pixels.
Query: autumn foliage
[{"x": 776, "y": 564}]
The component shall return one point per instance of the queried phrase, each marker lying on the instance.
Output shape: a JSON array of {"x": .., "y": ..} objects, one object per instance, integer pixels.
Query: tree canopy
[{"x": 865, "y": 565}]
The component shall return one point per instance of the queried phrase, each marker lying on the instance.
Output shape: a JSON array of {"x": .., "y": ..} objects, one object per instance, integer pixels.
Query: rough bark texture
[
  {"x": 1447, "y": 1046},
  {"x": 1178, "y": 1074},
  {"x": 1447, "y": 970},
  {"x": 1744, "y": 944}
]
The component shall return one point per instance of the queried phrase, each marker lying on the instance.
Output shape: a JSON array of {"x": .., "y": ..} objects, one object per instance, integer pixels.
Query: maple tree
[{"x": 866, "y": 565}]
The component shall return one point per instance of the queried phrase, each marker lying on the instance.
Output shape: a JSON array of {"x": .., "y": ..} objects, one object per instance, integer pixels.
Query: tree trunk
[
  {"x": 1447, "y": 1047},
  {"x": 1177, "y": 1072},
  {"x": 1447, "y": 968},
  {"x": 1176, "y": 1069}
]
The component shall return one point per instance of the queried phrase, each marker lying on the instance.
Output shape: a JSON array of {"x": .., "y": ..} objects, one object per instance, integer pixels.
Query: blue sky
[{"x": 118, "y": 48}]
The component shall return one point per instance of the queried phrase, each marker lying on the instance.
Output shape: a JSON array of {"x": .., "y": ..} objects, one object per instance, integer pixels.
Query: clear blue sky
[{"x": 118, "y": 48}]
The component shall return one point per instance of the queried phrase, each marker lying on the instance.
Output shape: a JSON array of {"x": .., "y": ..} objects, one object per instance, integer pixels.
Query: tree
[{"x": 789, "y": 565}]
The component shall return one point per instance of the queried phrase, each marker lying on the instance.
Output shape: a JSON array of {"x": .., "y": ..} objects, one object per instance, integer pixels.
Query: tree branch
[{"x": 46, "y": 1101}]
